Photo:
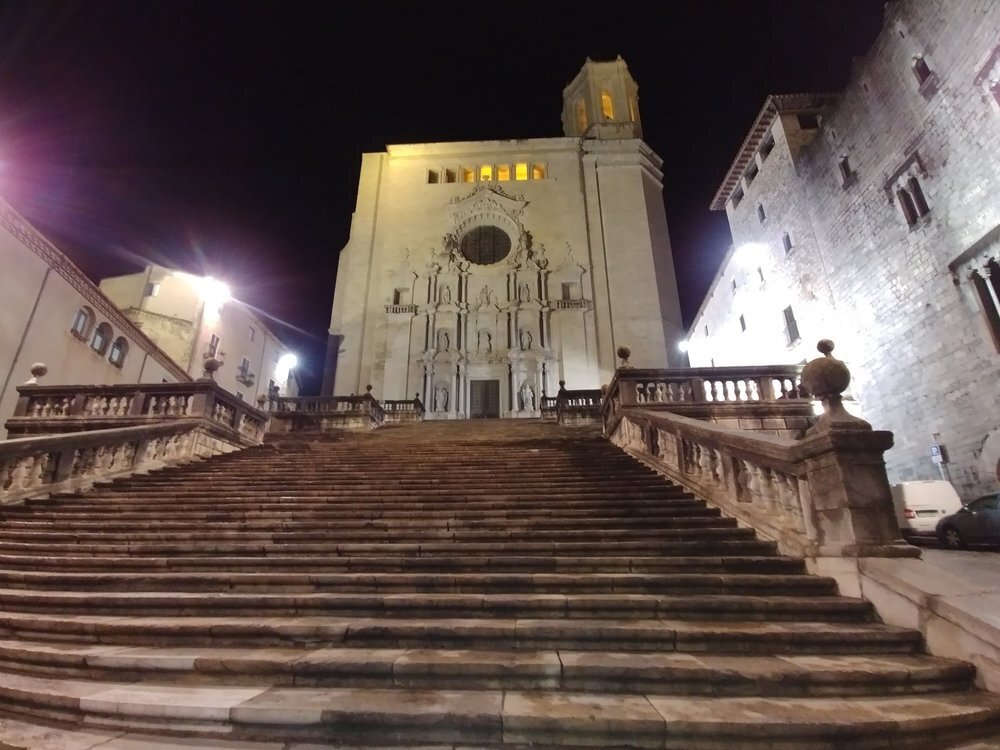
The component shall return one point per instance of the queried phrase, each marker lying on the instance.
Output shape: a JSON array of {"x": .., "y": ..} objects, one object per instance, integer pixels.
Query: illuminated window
[
  {"x": 521, "y": 171},
  {"x": 538, "y": 172},
  {"x": 581, "y": 116},
  {"x": 468, "y": 175},
  {"x": 631, "y": 108},
  {"x": 503, "y": 172},
  {"x": 485, "y": 173},
  {"x": 82, "y": 323},
  {"x": 118, "y": 351},
  {"x": 102, "y": 338},
  {"x": 607, "y": 107}
]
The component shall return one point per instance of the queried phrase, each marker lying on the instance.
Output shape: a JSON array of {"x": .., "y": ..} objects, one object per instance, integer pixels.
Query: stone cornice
[
  {"x": 32, "y": 239},
  {"x": 774, "y": 105}
]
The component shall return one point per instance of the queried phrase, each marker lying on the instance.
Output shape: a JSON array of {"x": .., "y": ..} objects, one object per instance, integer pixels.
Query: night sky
[{"x": 225, "y": 137}]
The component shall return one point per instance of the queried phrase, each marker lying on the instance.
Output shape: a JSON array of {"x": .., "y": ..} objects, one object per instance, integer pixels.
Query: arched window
[
  {"x": 607, "y": 106},
  {"x": 82, "y": 323},
  {"x": 102, "y": 338},
  {"x": 581, "y": 116},
  {"x": 118, "y": 351}
]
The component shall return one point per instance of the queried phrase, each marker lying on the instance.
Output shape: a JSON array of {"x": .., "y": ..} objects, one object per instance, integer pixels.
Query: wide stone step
[
  {"x": 622, "y": 634},
  {"x": 619, "y": 672},
  {"x": 429, "y": 563},
  {"x": 677, "y": 547},
  {"x": 303, "y": 523},
  {"x": 693, "y": 605},
  {"x": 497, "y": 718},
  {"x": 293, "y": 512},
  {"x": 450, "y": 581}
]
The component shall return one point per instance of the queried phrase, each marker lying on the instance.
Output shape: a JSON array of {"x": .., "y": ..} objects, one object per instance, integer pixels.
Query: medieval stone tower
[{"x": 479, "y": 274}]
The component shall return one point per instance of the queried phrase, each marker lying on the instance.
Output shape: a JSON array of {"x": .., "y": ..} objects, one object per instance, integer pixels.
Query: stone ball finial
[
  {"x": 825, "y": 376},
  {"x": 562, "y": 383},
  {"x": 368, "y": 388},
  {"x": 261, "y": 399},
  {"x": 624, "y": 352},
  {"x": 38, "y": 369}
]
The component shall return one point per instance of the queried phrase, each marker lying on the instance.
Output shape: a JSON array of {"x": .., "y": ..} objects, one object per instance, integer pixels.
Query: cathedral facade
[{"x": 480, "y": 274}]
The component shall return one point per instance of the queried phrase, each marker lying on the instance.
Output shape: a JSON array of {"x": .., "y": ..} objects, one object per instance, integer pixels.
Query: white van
[{"x": 921, "y": 504}]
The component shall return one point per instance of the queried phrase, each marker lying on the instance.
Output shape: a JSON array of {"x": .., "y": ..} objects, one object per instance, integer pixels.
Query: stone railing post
[{"x": 851, "y": 502}]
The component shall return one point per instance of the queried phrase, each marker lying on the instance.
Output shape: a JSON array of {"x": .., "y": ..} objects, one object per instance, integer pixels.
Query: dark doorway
[{"x": 485, "y": 399}]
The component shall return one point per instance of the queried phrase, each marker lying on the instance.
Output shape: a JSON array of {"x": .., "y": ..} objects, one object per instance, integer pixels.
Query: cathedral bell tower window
[
  {"x": 486, "y": 245},
  {"x": 607, "y": 106}
]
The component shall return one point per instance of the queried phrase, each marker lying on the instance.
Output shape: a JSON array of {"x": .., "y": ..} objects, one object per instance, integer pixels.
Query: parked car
[
  {"x": 920, "y": 504},
  {"x": 977, "y": 523}
]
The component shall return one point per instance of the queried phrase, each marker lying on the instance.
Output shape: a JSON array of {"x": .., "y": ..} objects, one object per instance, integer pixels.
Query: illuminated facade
[
  {"x": 192, "y": 318},
  {"x": 871, "y": 218},
  {"x": 51, "y": 313},
  {"x": 479, "y": 274}
]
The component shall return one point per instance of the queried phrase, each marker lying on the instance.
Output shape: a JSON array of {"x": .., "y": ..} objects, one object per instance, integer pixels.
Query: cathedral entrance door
[{"x": 485, "y": 399}]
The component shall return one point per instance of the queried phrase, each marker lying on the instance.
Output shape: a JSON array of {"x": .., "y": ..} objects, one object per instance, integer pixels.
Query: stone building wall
[
  {"x": 901, "y": 306},
  {"x": 42, "y": 295}
]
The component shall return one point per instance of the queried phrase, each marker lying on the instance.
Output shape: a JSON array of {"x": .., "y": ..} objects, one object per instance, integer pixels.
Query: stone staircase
[{"x": 479, "y": 584}]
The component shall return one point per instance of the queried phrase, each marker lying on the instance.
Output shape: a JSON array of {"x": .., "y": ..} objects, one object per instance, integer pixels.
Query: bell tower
[{"x": 602, "y": 102}]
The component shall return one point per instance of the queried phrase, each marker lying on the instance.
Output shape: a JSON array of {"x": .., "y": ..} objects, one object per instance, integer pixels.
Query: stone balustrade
[
  {"x": 40, "y": 465},
  {"x": 766, "y": 399},
  {"x": 403, "y": 411},
  {"x": 824, "y": 497},
  {"x": 319, "y": 413},
  {"x": 44, "y": 409}
]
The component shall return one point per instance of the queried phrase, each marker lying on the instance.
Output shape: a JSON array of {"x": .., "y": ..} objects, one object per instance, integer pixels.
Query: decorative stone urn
[{"x": 211, "y": 365}]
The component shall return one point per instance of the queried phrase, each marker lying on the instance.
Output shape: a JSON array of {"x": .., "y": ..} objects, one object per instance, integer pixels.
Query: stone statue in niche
[
  {"x": 484, "y": 341},
  {"x": 525, "y": 339},
  {"x": 441, "y": 397},
  {"x": 483, "y": 300},
  {"x": 446, "y": 294},
  {"x": 524, "y": 292},
  {"x": 443, "y": 341},
  {"x": 527, "y": 397}
]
